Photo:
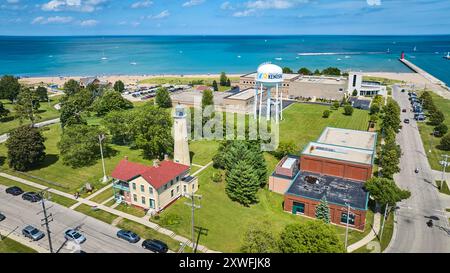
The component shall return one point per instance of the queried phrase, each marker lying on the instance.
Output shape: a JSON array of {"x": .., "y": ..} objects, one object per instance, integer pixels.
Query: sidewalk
[
  {"x": 136, "y": 219},
  {"x": 369, "y": 237},
  {"x": 4, "y": 137}
]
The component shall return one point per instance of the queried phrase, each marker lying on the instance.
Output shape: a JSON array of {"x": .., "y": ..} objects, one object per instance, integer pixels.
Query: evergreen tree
[
  {"x": 71, "y": 87},
  {"x": 41, "y": 93},
  {"x": 223, "y": 79},
  {"x": 119, "y": 86},
  {"x": 3, "y": 111},
  {"x": 445, "y": 143},
  {"x": 215, "y": 86},
  {"x": 439, "y": 130},
  {"x": 25, "y": 148},
  {"x": 242, "y": 182},
  {"x": 436, "y": 117},
  {"x": 162, "y": 98},
  {"x": 228, "y": 82},
  {"x": 323, "y": 211},
  {"x": 9, "y": 87}
]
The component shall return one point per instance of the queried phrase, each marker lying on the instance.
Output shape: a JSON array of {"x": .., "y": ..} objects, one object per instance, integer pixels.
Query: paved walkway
[
  {"x": 22, "y": 240},
  {"x": 202, "y": 168},
  {"x": 110, "y": 210},
  {"x": 5, "y": 137},
  {"x": 369, "y": 237}
]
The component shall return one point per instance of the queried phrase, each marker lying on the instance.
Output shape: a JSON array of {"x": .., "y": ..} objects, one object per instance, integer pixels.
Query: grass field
[
  {"x": 98, "y": 214},
  {"x": 46, "y": 112},
  {"x": 431, "y": 142},
  {"x": 183, "y": 80},
  {"x": 105, "y": 195},
  {"x": 131, "y": 210},
  {"x": 384, "y": 81},
  {"x": 10, "y": 246},
  {"x": 443, "y": 187}
]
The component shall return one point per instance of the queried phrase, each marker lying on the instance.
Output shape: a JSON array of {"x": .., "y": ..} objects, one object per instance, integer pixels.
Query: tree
[
  {"x": 71, "y": 113},
  {"x": 258, "y": 161},
  {"x": 391, "y": 116},
  {"x": 440, "y": 130},
  {"x": 355, "y": 93},
  {"x": 162, "y": 98},
  {"x": 25, "y": 148},
  {"x": 445, "y": 142},
  {"x": 215, "y": 86},
  {"x": 323, "y": 211},
  {"x": 348, "y": 110},
  {"x": 304, "y": 71},
  {"x": 41, "y": 93},
  {"x": 152, "y": 129},
  {"x": 259, "y": 239},
  {"x": 385, "y": 192},
  {"x": 310, "y": 237},
  {"x": 80, "y": 146},
  {"x": 326, "y": 114},
  {"x": 119, "y": 86},
  {"x": 3, "y": 111},
  {"x": 389, "y": 162},
  {"x": 437, "y": 117},
  {"x": 110, "y": 101},
  {"x": 284, "y": 148},
  {"x": 71, "y": 87},
  {"x": 333, "y": 71},
  {"x": 228, "y": 82},
  {"x": 9, "y": 87},
  {"x": 287, "y": 70},
  {"x": 207, "y": 98},
  {"x": 27, "y": 105},
  {"x": 317, "y": 72},
  {"x": 374, "y": 109},
  {"x": 120, "y": 126},
  {"x": 242, "y": 182},
  {"x": 223, "y": 79}
]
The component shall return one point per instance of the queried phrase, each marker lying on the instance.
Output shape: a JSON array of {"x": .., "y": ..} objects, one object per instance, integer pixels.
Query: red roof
[
  {"x": 203, "y": 88},
  {"x": 155, "y": 176}
]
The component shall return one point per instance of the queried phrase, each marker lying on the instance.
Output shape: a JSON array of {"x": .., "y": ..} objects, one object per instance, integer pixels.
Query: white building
[{"x": 364, "y": 88}]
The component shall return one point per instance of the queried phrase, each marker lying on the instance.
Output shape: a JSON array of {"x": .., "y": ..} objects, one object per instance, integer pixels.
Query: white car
[{"x": 73, "y": 235}]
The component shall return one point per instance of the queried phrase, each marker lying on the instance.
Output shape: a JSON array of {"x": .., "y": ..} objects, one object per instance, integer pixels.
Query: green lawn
[
  {"x": 387, "y": 236},
  {"x": 105, "y": 195},
  {"x": 431, "y": 142},
  {"x": 64, "y": 201},
  {"x": 384, "y": 81},
  {"x": 131, "y": 210},
  {"x": 443, "y": 187},
  {"x": 46, "y": 112},
  {"x": 202, "y": 151},
  {"x": 183, "y": 80},
  {"x": 98, "y": 214},
  {"x": 10, "y": 246}
]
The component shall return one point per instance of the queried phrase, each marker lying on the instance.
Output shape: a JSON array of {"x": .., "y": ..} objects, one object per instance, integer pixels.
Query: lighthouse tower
[{"x": 181, "y": 149}]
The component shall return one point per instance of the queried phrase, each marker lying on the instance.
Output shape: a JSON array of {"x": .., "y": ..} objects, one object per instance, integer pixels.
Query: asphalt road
[
  {"x": 100, "y": 237},
  {"x": 411, "y": 234}
]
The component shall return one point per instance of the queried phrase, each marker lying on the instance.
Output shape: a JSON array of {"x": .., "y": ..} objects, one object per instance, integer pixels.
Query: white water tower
[{"x": 269, "y": 76}]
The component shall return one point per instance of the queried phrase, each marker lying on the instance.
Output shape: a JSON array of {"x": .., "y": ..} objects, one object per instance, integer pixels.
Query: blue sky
[{"x": 216, "y": 17}]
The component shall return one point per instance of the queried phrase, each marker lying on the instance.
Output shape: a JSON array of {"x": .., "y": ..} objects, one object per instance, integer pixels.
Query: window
[
  {"x": 135, "y": 197},
  {"x": 142, "y": 188},
  {"x": 165, "y": 187},
  {"x": 351, "y": 219},
  {"x": 298, "y": 208},
  {"x": 152, "y": 203},
  {"x": 193, "y": 185},
  {"x": 178, "y": 188},
  {"x": 150, "y": 190},
  {"x": 134, "y": 186},
  {"x": 171, "y": 193},
  {"x": 178, "y": 178},
  {"x": 143, "y": 200},
  {"x": 184, "y": 188}
]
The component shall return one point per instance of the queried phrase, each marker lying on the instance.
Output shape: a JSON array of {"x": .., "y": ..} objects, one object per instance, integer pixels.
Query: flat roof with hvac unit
[
  {"x": 349, "y": 138},
  {"x": 244, "y": 94},
  {"x": 339, "y": 153}
]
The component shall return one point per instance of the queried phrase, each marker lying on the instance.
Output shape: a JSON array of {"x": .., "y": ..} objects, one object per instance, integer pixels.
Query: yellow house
[{"x": 152, "y": 187}]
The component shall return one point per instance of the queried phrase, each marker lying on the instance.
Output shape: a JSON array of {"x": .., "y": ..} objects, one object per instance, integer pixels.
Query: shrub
[
  {"x": 348, "y": 110},
  {"x": 440, "y": 130},
  {"x": 326, "y": 114},
  {"x": 445, "y": 143},
  {"x": 170, "y": 219}
]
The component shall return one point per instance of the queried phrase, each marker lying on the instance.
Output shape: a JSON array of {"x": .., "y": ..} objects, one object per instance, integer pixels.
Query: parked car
[
  {"x": 406, "y": 121},
  {"x": 155, "y": 246},
  {"x": 2, "y": 217},
  {"x": 32, "y": 197},
  {"x": 73, "y": 235},
  {"x": 129, "y": 236},
  {"x": 14, "y": 190},
  {"x": 404, "y": 110},
  {"x": 32, "y": 233}
]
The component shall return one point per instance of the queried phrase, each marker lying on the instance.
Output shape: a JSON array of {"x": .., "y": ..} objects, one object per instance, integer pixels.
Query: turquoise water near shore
[{"x": 138, "y": 55}]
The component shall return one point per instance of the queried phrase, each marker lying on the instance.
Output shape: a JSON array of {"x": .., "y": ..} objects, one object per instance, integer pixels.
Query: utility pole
[
  {"x": 100, "y": 139},
  {"x": 443, "y": 169},
  {"x": 346, "y": 228},
  {"x": 46, "y": 220},
  {"x": 193, "y": 207},
  {"x": 384, "y": 220}
]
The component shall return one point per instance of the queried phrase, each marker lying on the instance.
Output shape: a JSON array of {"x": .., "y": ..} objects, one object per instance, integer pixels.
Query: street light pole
[
  {"x": 443, "y": 169},
  {"x": 384, "y": 220},
  {"x": 100, "y": 139},
  {"x": 346, "y": 228}
]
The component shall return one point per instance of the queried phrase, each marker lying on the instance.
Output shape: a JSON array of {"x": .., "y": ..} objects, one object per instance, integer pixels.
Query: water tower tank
[{"x": 269, "y": 74}]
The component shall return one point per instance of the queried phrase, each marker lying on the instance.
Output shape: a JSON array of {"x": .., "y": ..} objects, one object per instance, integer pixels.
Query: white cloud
[
  {"x": 88, "y": 23},
  {"x": 73, "y": 5},
  {"x": 52, "y": 20},
  {"x": 226, "y": 5},
  {"x": 193, "y": 3},
  {"x": 161, "y": 15},
  {"x": 374, "y": 2},
  {"x": 244, "y": 13},
  {"x": 141, "y": 4},
  {"x": 274, "y": 4}
]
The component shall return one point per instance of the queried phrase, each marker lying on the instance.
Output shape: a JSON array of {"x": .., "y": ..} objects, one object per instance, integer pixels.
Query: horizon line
[{"x": 217, "y": 35}]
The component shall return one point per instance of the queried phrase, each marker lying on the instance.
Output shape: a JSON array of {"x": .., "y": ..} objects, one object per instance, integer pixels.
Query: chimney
[
  {"x": 166, "y": 157},
  {"x": 155, "y": 163}
]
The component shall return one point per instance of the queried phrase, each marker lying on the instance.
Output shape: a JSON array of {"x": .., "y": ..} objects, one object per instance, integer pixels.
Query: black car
[
  {"x": 14, "y": 190},
  {"x": 155, "y": 246},
  {"x": 129, "y": 236},
  {"x": 31, "y": 196},
  {"x": 406, "y": 121},
  {"x": 2, "y": 217}
]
